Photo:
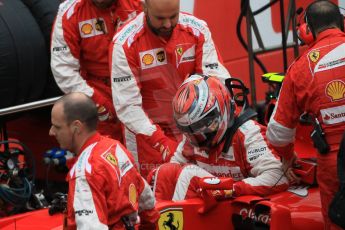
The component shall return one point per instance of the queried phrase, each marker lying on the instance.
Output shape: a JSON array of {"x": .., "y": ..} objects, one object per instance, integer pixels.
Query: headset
[{"x": 305, "y": 31}]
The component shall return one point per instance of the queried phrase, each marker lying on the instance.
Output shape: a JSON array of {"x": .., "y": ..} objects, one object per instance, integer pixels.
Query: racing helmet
[{"x": 203, "y": 110}]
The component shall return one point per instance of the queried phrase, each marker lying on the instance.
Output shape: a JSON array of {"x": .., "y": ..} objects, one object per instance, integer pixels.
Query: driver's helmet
[{"x": 203, "y": 110}]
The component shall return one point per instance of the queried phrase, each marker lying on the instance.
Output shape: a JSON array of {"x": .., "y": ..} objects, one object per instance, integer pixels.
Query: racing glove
[
  {"x": 105, "y": 107},
  {"x": 160, "y": 142},
  {"x": 219, "y": 188}
]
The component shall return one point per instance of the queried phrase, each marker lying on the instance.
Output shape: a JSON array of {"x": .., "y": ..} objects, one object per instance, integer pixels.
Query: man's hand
[
  {"x": 288, "y": 169},
  {"x": 160, "y": 142},
  {"x": 105, "y": 108}
]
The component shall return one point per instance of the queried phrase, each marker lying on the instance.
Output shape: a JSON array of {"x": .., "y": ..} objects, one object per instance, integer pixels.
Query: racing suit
[
  {"x": 146, "y": 73},
  {"x": 317, "y": 82},
  {"x": 249, "y": 162},
  {"x": 105, "y": 186},
  {"x": 79, "y": 53}
]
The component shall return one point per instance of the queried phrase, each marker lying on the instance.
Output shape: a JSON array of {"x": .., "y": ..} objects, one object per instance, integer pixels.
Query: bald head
[
  {"x": 78, "y": 106},
  {"x": 162, "y": 16}
]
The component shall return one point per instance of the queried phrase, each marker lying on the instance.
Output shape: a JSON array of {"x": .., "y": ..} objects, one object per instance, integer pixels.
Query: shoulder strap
[
  {"x": 248, "y": 114},
  {"x": 341, "y": 161}
]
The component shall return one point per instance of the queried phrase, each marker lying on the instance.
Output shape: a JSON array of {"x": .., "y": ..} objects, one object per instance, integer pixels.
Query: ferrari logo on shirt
[
  {"x": 336, "y": 90},
  {"x": 92, "y": 27},
  {"x": 171, "y": 218},
  {"x": 179, "y": 50},
  {"x": 132, "y": 194},
  {"x": 153, "y": 58},
  {"x": 314, "y": 56},
  {"x": 111, "y": 159}
]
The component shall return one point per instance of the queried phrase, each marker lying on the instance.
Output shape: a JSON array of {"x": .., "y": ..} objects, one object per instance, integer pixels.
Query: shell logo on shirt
[
  {"x": 147, "y": 59},
  {"x": 314, "y": 56},
  {"x": 92, "y": 27},
  {"x": 132, "y": 194},
  {"x": 335, "y": 90},
  {"x": 152, "y": 58},
  {"x": 86, "y": 28},
  {"x": 171, "y": 218}
]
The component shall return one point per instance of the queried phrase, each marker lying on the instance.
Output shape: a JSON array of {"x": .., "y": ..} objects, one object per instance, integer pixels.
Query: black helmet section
[{"x": 44, "y": 11}]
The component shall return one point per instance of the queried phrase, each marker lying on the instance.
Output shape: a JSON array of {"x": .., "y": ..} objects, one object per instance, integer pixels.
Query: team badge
[
  {"x": 111, "y": 159},
  {"x": 132, "y": 194},
  {"x": 147, "y": 59},
  {"x": 160, "y": 56},
  {"x": 86, "y": 28},
  {"x": 314, "y": 56},
  {"x": 336, "y": 90},
  {"x": 179, "y": 50},
  {"x": 171, "y": 218}
]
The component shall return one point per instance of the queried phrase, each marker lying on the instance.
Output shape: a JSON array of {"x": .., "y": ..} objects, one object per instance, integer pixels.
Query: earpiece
[{"x": 305, "y": 30}]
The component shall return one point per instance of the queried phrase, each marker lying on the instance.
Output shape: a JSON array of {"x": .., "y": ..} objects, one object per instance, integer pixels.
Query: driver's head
[
  {"x": 103, "y": 4},
  {"x": 203, "y": 110},
  {"x": 162, "y": 16}
]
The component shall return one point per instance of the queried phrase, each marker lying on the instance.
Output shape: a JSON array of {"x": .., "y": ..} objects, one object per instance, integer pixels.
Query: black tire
[
  {"x": 23, "y": 56},
  {"x": 44, "y": 11}
]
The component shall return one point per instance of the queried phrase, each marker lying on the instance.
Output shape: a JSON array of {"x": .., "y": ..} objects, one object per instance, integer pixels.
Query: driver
[{"x": 205, "y": 113}]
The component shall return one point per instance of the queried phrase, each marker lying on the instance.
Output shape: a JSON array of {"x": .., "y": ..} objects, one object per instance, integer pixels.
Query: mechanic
[
  {"x": 79, "y": 52},
  {"x": 206, "y": 114},
  {"x": 105, "y": 188},
  {"x": 315, "y": 83},
  {"x": 151, "y": 56}
]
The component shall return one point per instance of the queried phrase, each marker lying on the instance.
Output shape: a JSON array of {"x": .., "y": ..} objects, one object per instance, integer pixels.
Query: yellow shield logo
[
  {"x": 111, "y": 159},
  {"x": 147, "y": 59},
  {"x": 87, "y": 28},
  {"x": 314, "y": 56},
  {"x": 171, "y": 219},
  {"x": 132, "y": 194},
  {"x": 336, "y": 90}
]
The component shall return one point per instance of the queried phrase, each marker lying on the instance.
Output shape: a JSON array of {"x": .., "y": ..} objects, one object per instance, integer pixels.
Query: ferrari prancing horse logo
[
  {"x": 171, "y": 219},
  {"x": 314, "y": 56}
]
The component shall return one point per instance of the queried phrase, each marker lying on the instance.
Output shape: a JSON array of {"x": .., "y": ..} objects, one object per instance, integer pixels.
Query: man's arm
[
  {"x": 281, "y": 128},
  {"x": 266, "y": 175},
  {"x": 65, "y": 52}
]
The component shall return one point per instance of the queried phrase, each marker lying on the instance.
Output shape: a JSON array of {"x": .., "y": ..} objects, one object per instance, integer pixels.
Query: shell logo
[
  {"x": 336, "y": 90},
  {"x": 147, "y": 59},
  {"x": 87, "y": 28}
]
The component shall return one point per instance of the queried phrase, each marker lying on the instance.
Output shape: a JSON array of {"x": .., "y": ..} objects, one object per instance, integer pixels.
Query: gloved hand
[
  {"x": 219, "y": 188},
  {"x": 160, "y": 142},
  {"x": 105, "y": 107}
]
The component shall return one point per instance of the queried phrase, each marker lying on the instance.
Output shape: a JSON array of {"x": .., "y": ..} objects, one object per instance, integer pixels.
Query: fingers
[{"x": 292, "y": 177}]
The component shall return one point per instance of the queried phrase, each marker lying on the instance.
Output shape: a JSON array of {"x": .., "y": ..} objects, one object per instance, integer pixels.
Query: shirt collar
[{"x": 94, "y": 138}]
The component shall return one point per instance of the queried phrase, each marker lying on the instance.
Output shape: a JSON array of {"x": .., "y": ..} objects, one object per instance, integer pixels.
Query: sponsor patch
[
  {"x": 92, "y": 27},
  {"x": 179, "y": 50},
  {"x": 83, "y": 212},
  {"x": 59, "y": 48},
  {"x": 255, "y": 153},
  {"x": 153, "y": 58},
  {"x": 212, "y": 66},
  {"x": 132, "y": 194},
  {"x": 212, "y": 181},
  {"x": 333, "y": 115},
  {"x": 122, "y": 79},
  {"x": 185, "y": 53},
  {"x": 314, "y": 56},
  {"x": 335, "y": 90},
  {"x": 171, "y": 218},
  {"x": 160, "y": 56},
  {"x": 111, "y": 159}
]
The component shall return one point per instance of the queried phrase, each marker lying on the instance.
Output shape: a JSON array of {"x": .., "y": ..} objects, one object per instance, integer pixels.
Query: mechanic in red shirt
[
  {"x": 151, "y": 56},
  {"x": 105, "y": 188},
  {"x": 207, "y": 116},
  {"x": 315, "y": 83},
  {"x": 79, "y": 52}
]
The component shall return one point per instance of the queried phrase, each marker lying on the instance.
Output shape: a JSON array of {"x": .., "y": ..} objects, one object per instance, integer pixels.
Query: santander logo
[{"x": 333, "y": 115}]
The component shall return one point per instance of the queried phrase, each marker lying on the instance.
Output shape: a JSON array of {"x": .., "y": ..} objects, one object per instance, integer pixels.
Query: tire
[
  {"x": 44, "y": 12},
  {"x": 23, "y": 56}
]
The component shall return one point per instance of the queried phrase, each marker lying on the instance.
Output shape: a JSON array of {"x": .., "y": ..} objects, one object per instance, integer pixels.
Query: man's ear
[{"x": 76, "y": 126}]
